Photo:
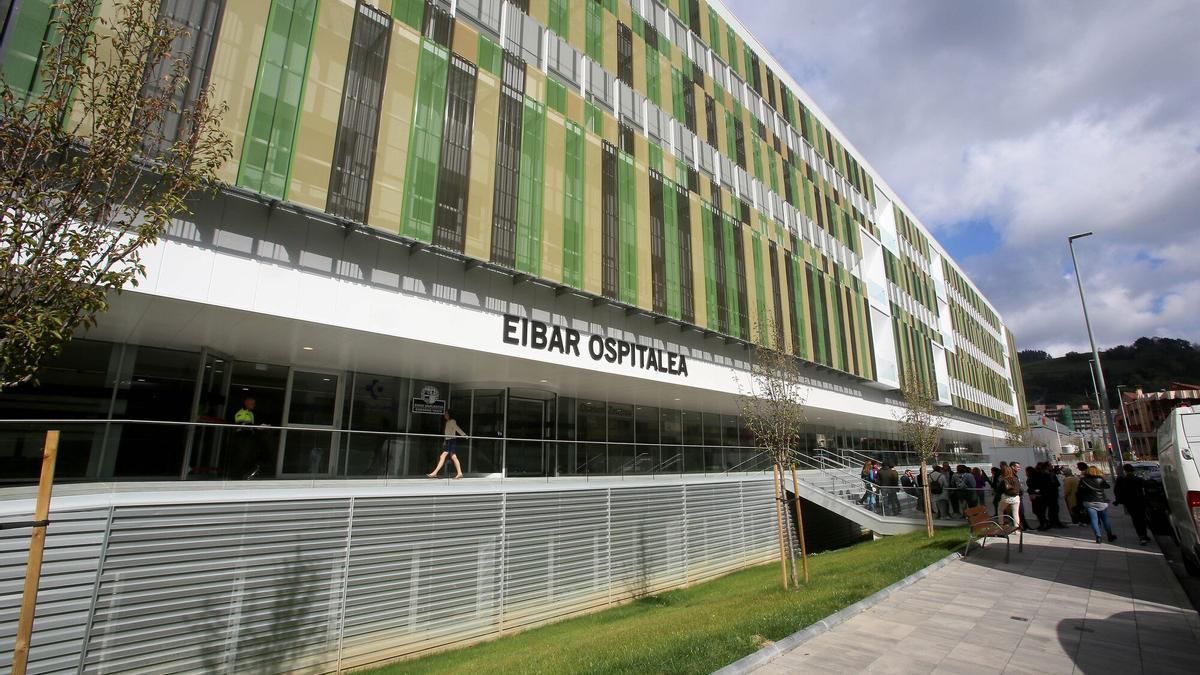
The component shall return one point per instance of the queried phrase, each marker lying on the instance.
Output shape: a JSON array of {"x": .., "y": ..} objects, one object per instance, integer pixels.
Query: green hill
[{"x": 1151, "y": 363}]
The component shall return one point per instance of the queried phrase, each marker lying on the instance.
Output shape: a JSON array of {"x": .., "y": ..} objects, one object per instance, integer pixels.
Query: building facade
[
  {"x": 1143, "y": 412},
  {"x": 565, "y": 221}
]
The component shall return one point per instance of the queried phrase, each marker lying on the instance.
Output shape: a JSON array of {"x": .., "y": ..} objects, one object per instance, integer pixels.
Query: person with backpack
[
  {"x": 964, "y": 488},
  {"x": 939, "y": 493}
]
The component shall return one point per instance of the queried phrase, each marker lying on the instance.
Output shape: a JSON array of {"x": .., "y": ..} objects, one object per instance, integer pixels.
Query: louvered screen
[
  {"x": 345, "y": 578},
  {"x": 73, "y": 545}
]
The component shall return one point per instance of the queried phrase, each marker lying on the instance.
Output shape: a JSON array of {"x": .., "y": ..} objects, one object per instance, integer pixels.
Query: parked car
[{"x": 1179, "y": 457}]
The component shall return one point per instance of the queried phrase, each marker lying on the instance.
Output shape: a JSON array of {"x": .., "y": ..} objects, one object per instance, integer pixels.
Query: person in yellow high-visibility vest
[
  {"x": 246, "y": 443},
  {"x": 246, "y": 414}
]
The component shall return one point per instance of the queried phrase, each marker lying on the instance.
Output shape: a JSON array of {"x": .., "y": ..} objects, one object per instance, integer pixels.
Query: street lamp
[
  {"x": 1110, "y": 427},
  {"x": 1125, "y": 417}
]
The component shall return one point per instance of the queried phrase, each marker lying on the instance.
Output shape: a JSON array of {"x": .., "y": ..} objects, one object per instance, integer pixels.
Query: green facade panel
[
  {"x": 531, "y": 187},
  {"x": 425, "y": 143},
  {"x": 266, "y": 161},
  {"x": 710, "y": 266},
  {"x": 24, "y": 53},
  {"x": 671, "y": 242},
  {"x": 573, "y": 205}
]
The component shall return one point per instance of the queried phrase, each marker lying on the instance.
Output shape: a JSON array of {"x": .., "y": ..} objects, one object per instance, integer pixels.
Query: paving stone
[{"x": 1064, "y": 605}]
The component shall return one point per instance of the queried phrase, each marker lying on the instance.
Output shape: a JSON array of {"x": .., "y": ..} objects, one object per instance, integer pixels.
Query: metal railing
[
  {"x": 907, "y": 501},
  {"x": 112, "y": 450}
]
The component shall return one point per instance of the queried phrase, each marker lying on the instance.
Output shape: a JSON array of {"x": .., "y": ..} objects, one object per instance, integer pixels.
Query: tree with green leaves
[
  {"x": 921, "y": 423},
  {"x": 1017, "y": 434},
  {"x": 99, "y": 151},
  {"x": 1068, "y": 418}
]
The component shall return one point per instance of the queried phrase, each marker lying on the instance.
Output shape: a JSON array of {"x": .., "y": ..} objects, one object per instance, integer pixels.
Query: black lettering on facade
[{"x": 539, "y": 335}]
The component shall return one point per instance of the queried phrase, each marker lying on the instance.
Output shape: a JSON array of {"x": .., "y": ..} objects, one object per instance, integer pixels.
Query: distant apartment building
[
  {"x": 1143, "y": 412},
  {"x": 1083, "y": 419}
]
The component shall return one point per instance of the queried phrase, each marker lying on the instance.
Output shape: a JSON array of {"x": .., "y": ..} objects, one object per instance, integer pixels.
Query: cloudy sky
[{"x": 1008, "y": 125}]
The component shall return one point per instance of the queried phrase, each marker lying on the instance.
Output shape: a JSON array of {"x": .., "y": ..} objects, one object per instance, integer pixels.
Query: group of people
[
  {"x": 1045, "y": 487},
  {"x": 952, "y": 490}
]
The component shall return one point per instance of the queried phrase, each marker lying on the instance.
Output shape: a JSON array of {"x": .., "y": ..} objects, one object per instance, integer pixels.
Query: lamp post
[
  {"x": 1125, "y": 417},
  {"x": 1110, "y": 427}
]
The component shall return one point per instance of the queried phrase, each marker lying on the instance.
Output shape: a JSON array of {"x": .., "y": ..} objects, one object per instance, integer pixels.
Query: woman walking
[
  {"x": 1093, "y": 498},
  {"x": 449, "y": 446}
]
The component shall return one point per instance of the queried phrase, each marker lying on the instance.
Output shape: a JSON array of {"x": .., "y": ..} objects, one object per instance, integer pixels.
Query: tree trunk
[
  {"x": 779, "y": 522},
  {"x": 925, "y": 492}
]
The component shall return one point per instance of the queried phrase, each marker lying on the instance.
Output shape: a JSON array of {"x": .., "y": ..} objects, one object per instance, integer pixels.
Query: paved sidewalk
[{"x": 1065, "y": 605}]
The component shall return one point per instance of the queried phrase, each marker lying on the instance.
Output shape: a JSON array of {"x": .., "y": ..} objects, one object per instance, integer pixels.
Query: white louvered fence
[{"x": 321, "y": 579}]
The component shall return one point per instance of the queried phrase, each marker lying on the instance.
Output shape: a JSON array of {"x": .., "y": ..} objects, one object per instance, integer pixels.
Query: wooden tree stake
[
  {"x": 800, "y": 523},
  {"x": 37, "y": 545},
  {"x": 779, "y": 521}
]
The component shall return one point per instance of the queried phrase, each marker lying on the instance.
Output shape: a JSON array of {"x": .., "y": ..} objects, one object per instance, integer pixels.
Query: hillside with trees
[{"x": 1151, "y": 363}]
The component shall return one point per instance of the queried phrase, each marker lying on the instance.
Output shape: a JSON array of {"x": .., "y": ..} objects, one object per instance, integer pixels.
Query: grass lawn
[{"x": 701, "y": 628}]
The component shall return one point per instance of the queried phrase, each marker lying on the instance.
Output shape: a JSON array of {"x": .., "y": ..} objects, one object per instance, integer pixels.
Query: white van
[{"x": 1179, "y": 457}]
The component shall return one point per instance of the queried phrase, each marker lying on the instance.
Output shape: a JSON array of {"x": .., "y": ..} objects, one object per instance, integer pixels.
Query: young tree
[
  {"x": 98, "y": 152},
  {"x": 921, "y": 422},
  {"x": 1017, "y": 434},
  {"x": 772, "y": 405}
]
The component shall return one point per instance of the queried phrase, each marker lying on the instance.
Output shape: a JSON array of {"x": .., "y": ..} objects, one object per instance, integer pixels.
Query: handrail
[
  {"x": 332, "y": 430},
  {"x": 667, "y": 462}
]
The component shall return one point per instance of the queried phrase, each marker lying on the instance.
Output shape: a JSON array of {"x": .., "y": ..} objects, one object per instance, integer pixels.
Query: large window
[
  {"x": 683, "y": 218},
  {"x": 658, "y": 273},
  {"x": 624, "y": 54},
  {"x": 508, "y": 162},
  {"x": 358, "y": 125},
  {"x": 610, "y": 227},
  {"x": 199, "y": 20},
  {"x": 450, "y": 224}
]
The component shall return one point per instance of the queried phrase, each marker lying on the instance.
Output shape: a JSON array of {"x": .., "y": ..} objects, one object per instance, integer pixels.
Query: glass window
[
  {"x": 524, "y": 36},
  {"x": 647, "y": 424},
  {"x": 314, "y": 396},
  {"x": 155, "y": 384},
  {"x": 200, "y": 21},
  {"x": 354, "y": 149},
  {"x": 375, "y": 403},
  {"x": 454, "y": 175},
  {"x": 563, "y": 60},
  {"x": 633, "y": 106},
  {"x": 621, "y": 454},
  {"x": 484, "y": 13},
  {"x": 592, "y": 430},
  {"x": 599, "y": 85}
]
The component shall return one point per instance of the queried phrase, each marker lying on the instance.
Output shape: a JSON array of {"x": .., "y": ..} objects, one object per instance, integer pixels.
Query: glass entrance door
[
  {"x": 313, "y": 404},
  {"x": 526, "y": 431}
]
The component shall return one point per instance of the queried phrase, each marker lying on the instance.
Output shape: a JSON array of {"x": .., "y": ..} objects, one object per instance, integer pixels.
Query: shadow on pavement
[{"x": 1130, "y": 642}]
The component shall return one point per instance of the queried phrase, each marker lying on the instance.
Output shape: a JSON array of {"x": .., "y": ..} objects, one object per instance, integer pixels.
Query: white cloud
[{"x": 1044, "y": 119}]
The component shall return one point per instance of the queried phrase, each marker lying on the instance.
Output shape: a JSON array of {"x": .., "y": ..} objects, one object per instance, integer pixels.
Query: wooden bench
[{"x": 983, "y": 526}]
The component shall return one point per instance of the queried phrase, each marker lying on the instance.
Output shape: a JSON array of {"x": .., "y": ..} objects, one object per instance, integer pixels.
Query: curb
[{"x": 771, "y": 651}]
